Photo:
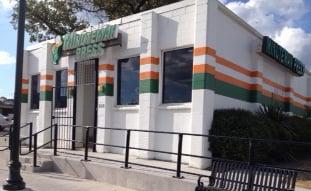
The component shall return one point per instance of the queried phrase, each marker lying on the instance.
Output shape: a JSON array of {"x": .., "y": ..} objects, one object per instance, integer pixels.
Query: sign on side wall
[
  {"x": 86, "y": 45},
  {"x": 282, "y": 56}
]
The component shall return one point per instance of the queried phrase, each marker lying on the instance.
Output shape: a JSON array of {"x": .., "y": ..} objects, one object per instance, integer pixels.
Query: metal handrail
[
  {"x": 4, "y": 135},
  {"x": 23, "y": 139},
  {"x": 36, "y": 147},
  {"x": 8, "y": 133},
  {"x": 180, "y": 141},
  {"x": 128, "y": 147},
  {"x": 195, "y": 134},
  {"x": 29, "y": 123}
]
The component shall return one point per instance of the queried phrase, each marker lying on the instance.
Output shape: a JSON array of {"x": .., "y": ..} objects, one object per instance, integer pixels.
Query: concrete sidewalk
[{"x": 60, "y": 182}]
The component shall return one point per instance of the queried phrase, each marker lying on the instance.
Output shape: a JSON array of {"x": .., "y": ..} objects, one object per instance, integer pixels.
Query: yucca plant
[{"x": 272, "y": 112}]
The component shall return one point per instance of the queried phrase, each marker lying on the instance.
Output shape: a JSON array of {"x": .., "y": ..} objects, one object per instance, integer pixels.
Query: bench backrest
[{"x": 239, "y": 176}]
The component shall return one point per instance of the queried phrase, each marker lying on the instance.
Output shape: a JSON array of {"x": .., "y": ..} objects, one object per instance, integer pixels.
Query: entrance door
[
  {"x": 63, "y": 114},
  {"x": 86, "y": 74}
]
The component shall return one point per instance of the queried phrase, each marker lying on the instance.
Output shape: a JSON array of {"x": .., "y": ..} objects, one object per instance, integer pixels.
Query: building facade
[{"x": 166, "y": 69}]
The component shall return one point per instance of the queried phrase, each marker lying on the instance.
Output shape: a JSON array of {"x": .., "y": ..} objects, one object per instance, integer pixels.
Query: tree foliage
[{"x": 47, "y": 18}]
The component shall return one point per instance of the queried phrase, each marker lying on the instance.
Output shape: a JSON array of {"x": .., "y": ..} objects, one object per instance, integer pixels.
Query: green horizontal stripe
[
  {"x": 46, "y": 96},
  {"x": 225, "y": 89},
  {"x": 24, "y": 98},
  {"x": 203, "y": 81},
  {"x": 148, "y": 86},
  {"x": 105, "y": 90},
  {"x": 208, "y": 81}
]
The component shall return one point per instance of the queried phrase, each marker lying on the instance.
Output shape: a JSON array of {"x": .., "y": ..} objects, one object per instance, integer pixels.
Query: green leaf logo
[{"x": 57, "y": 50}]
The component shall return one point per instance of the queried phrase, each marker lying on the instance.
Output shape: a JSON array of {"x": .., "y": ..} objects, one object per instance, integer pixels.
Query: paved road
[{"x": 60, "y": 182}]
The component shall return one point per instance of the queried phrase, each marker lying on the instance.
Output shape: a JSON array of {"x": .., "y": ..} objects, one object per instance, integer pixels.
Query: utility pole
[{"x": 15, "y": 180}]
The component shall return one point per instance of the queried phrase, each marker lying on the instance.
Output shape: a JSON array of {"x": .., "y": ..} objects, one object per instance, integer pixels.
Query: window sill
[
  {"x": 126, "y": 107},
  {"x": 175, "y": 106}
]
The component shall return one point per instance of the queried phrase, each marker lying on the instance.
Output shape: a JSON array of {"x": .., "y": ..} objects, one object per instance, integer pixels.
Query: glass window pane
[
  {"x": 61, "y": 89},
  {"x": 35, "y": 92},
  {"x": 128, "y": 81},
  {"x": 177, "y": 79}
]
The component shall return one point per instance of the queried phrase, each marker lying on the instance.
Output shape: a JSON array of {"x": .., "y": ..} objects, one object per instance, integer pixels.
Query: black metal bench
[{"x": 239, "y": 176}]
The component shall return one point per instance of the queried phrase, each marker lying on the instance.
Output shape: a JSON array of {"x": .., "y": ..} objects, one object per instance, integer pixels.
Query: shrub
[{"x": 267, "y": 123}]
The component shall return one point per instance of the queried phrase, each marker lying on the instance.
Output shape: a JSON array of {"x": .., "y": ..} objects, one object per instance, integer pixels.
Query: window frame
[
  {"x": 118, "y": 82},
  {"x": 31, "y": 92},
  {"x": 66, "y": 87},
  {"x": 161, "y": 82}
]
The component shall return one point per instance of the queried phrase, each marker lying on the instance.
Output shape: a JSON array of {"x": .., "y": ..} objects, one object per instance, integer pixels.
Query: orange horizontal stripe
[
  {"x": 220, "y": 60},
  {"x": 300, "y": 96},
  {"x": 46, "y": 88},
  {"x": 204, "y": 51},
  {"x": 273, "y": 84},
  {"x": 150, "y": 60},
  {"x": 24, "y": 91},
  {"x": 234, "y": 81},
  {"x": 46, "y": 77},
  {"x": 109, "y": 67},
  {"x": 245, "y": 85},
  {"x": 237, "y": 68},
  {"x": 255, "y": 74},
  {"x": 104, "y": 80},
  {"x": 204, "y": 68},
  {"x": 25, "y": 81},
  {"x": 149, "y": 75},
  {"x": 297, "y": 104},
  {"x": 71, "y": 72}
]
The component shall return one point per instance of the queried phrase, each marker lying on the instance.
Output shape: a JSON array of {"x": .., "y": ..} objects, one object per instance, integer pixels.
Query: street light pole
[{"x": 15, "y": 180}]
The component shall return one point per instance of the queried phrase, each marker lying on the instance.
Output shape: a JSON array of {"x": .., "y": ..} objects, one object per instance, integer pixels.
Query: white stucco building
[{"x": 166, "y": 69}]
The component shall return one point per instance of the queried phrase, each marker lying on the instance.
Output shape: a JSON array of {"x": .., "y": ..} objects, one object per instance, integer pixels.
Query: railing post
[
  {"x": 250, "y": 151},
  {"x": 86, "y": 144},
  {"x": 35, "y": 150},
  {"x": 127, "y": 149},
  {"x": 30, "y": 137},
  {"x": 250, "y": 163},
  {"x": 10, "y": 135},
  {"x": 55, "y": 139},
  {"x": 20, "y": 146},
  {"x": 179, "y": 154}
]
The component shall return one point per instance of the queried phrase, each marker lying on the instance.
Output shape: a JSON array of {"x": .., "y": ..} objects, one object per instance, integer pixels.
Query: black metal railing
[
  {"x": 30, "y": 131},
  {"x": 180, "y": 154},
  {"x": 35, "y": 149},
  {"x": 178, "y": 171},
  {"x": 7, "y": 147}
]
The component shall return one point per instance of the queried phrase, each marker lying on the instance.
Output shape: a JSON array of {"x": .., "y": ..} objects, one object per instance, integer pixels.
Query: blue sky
[
  {"x": 8, "y": 38},
  {"x": 287, "y": 21}
]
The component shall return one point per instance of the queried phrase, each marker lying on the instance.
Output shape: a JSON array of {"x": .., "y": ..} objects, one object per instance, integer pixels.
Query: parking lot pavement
[{"x": 60, "y": 182}]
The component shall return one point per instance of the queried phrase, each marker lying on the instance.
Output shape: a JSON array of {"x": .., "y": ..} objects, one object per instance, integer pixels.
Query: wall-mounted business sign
[
  {"x": 279, "y": 54},
  {"x": 86, "y": 45}
]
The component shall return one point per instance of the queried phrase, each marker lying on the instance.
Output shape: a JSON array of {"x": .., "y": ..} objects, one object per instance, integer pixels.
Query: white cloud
[
  {"x": 297, "y": 41},
  {"x": 7, "y": 4},
  {"x": 276, "y": 19},
  {"x": 6, "y": 58}
]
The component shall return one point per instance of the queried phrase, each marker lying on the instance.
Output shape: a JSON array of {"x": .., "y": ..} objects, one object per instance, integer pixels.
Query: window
[
  {"x": 35, "y": 91},
  {"x": 128, "y": 81},
  {"x": 177, "y": 77},
  {"x": 61, "y": 89}
]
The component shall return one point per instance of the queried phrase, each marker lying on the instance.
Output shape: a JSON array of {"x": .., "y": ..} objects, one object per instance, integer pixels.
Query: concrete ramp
[
  {"x": 106, "y": 168},
  {"x": 109, "y": 170},
  {"x": 129, "y": 178}
]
